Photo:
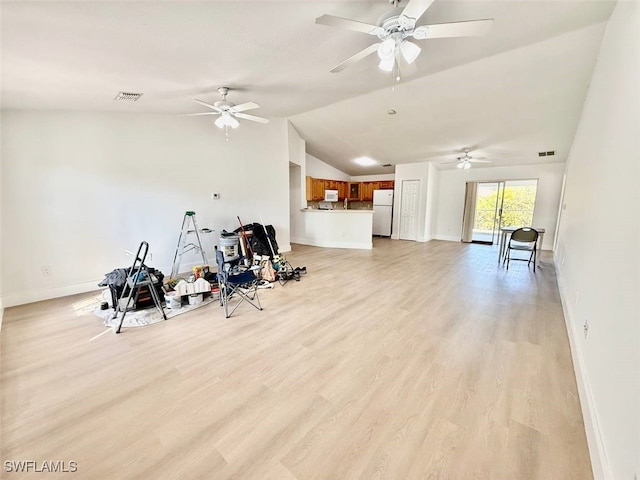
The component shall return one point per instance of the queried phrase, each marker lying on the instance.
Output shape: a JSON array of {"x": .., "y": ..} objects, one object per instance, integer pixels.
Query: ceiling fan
[
  {"x": 466, "y": 160},
  {"x": 229, "y": 112},
  {"x": 396, "y": 28}
]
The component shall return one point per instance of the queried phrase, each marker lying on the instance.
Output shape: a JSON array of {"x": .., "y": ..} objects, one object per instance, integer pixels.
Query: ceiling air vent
[
  {"x": 550, "y": 153},
  {"x": 387, "y": 165},
  {"x": 128, "y": 97}
]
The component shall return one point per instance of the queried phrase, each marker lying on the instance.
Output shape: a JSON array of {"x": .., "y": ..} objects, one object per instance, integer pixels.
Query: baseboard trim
[
  {"x": 597, "y": 451},
  {"x": 21, "y": 298},
  {"x": 448, "y": 238},
  {"x": 352, "y": 245}
]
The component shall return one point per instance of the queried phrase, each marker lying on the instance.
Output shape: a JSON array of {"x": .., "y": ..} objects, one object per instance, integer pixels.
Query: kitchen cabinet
[
  {"x": 354, "y": 190},
  {"x": 366, "y": 190},
  {"x": 309, "y": 188},
  {"x": 317, "y": 185},
  {"x": 343, "y": 190}
]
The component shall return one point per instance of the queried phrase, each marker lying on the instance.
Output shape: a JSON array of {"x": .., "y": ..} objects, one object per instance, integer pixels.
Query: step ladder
[
  {"x": 138, "y": 276},
  {"x": 189, "y": 226}
]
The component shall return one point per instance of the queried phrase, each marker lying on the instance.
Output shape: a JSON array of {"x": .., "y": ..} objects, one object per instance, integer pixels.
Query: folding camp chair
[{"x": 243, "y": 285}]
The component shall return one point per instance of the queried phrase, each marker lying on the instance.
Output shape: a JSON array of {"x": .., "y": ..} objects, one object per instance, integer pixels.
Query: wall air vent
[
  {"x": 128, "y": 97},
  {"x": 550, "y": 153}
]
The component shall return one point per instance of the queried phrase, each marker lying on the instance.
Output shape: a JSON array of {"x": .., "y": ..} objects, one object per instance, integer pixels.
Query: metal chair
[
  {"x": 524, "y": 240},
  {"x": 243, "y": 284}
]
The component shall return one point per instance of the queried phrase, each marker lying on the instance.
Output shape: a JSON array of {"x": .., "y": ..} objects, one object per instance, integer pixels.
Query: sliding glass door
[
  {"x": 489, "y": 206},
  {"x": 485, "y": 223}
]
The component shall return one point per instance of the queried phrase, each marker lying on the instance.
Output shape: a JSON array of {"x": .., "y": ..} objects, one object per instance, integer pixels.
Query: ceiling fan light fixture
[
  {"x": 410, "y": 51},
  {"x": 219, "y": 122},
  {"x": 387, "y": 64},
  {"x": 232, "y": 122},
  {"x": 466, "y": 165},
  {"x": 387, "y": 49}
]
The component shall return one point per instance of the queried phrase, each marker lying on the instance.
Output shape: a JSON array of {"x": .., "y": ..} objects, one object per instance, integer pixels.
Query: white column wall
[{"x": 597, "y": 259}]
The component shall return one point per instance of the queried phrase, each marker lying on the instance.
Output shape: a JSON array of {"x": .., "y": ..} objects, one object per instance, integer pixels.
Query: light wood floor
[{"x": 409, "y": 361}]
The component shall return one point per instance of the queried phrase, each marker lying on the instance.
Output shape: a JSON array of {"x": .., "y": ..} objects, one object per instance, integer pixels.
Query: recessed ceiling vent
[
  {"x": 128, "y": 97},
  {"x": 387, "y": 165},
  {"x": 550, "y": 153}
]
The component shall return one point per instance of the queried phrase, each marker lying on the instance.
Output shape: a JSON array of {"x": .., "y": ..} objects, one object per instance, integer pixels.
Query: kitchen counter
[
  {"x": 337, "y": 228},
  {"x": 340, "y": 210}
]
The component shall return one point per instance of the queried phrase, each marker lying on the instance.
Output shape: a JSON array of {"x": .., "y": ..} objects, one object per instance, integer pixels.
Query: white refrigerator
[{"x": 382, "y": 208}]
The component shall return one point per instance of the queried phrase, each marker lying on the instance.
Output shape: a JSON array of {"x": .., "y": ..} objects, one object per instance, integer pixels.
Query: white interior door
[{"x": 409, "y": 209}]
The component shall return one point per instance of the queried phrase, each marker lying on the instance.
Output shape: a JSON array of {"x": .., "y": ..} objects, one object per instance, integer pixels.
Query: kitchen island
[{"x": 337, "y": 228}]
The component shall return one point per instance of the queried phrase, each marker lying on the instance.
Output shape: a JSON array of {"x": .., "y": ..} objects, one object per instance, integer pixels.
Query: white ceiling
[{"x": 507, "y": 95}]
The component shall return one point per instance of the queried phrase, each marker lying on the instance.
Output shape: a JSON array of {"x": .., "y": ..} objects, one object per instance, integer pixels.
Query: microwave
[{"x": 331, "y": 195}]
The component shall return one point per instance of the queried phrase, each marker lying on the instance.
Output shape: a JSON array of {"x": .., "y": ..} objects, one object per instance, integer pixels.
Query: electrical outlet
[
  {"x": 215, "y": 196},
  {"x": 586, "y": 327},
  {"x": 46, "y": 271}
]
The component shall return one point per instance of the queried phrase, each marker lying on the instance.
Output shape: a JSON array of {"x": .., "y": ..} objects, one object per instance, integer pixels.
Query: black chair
[
  {"x": 524, "y": 240},
  {"x": 241, "y": 284}
]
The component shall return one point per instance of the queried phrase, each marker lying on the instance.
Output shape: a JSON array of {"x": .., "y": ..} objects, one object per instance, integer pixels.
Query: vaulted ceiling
[{"x": 506, "y": 95}]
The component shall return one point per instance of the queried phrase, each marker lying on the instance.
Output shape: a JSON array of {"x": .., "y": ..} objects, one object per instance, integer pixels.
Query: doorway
[
  {"x": 490, "y": 206},
  {"x": 409, "y": 209}
]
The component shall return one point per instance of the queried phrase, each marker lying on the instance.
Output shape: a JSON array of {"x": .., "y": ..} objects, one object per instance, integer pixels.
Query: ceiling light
[
  {"x": 387, "y": 64},
  {"x": 387, "y": 49},
  {"x": 410, "y": 51},
  {"x": 230, "y": 121},
  {"x": 466, "y": 165},
  {"x": 226, "y": 120},
  {"x": 365, "y": 161}
]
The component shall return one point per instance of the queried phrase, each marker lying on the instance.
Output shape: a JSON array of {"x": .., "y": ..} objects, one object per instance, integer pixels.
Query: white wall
[
  {"x": 316, "y": 168},
  {"x": 451, "y": 191},
  {"x": 80, "y": 188},
  {"x": 597, "y": 252},
  {"x": 373, "y": 178},
  {"x": 297, "y": 182}
]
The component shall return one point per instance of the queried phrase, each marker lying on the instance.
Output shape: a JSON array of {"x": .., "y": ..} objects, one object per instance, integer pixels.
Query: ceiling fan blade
[
  {"x": 413, "y": 11},
  {"x": 470, "y": 28},
  {"x": 253, "y": 118},
  {"x": 244, "y": 107},
  {"x": 202, "y": 113},
  {"x": 449, "y": 163},
  {"x": 213, "y": 107},
  {"x": 333, "y": 21},
  {"x": 355, "y": 58},
  {"x": 479, "y": 161}
]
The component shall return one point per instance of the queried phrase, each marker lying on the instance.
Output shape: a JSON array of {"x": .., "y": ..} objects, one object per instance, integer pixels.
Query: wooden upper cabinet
[
  {"x": 318, "y": 188},
  {"x": 343, "y": 189},
  {"x": 366, "y": 190},
  {"x": 354, "y": 190},
  {"x": 309, "y": 188}
]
